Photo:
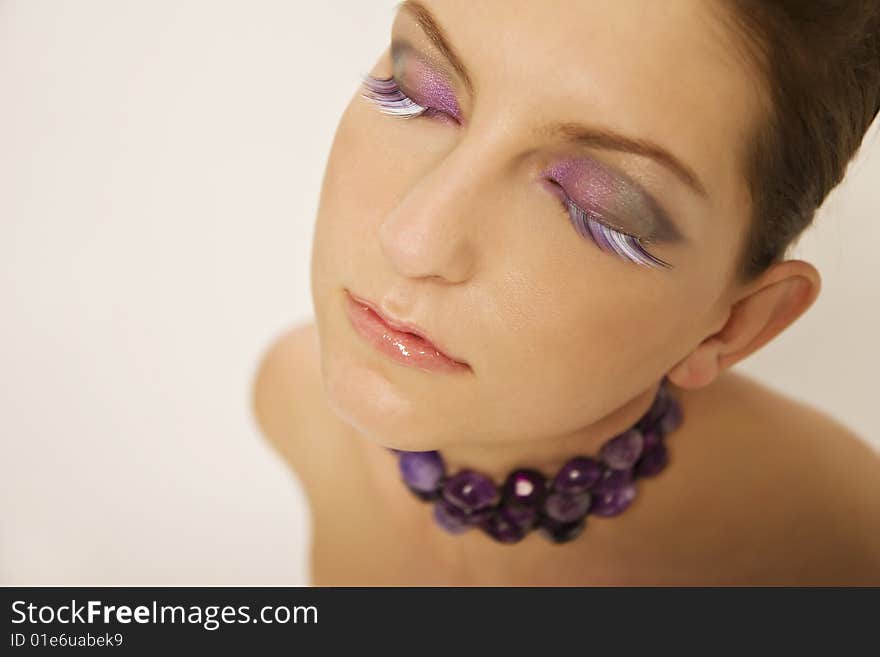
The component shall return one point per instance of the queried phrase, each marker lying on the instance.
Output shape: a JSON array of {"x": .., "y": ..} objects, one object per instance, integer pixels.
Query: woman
[{"x": 540, "y": 225}]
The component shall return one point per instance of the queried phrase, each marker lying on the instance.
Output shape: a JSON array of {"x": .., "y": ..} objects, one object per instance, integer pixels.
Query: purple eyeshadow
[
  {"x": 430, "y": 88},
  {"x": 595, "y": 198},
  {"x": 596, "y": 187},
  {"x": 592, "y": 186}
]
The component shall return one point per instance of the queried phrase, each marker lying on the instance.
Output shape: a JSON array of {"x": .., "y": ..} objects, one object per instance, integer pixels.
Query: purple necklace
[{"x": 527, "y": 500}]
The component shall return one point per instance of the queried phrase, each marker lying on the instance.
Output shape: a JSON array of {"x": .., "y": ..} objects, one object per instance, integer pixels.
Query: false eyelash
[
  {"x": 386, "y": 93},
  {"x": 610, "y": 239},
  {"x": 390, "y": 99}
]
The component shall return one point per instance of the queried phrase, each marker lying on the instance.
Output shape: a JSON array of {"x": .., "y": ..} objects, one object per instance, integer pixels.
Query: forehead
[{"x": 669, "y": 71}]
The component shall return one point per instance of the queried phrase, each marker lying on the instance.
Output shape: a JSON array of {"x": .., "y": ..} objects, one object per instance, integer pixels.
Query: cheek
[
  {"x": 574, "y": 349},
  {"x": 351, "y": 194},
  {"x": 573, "y": 330},
  {"x": 366, "y": 170}
]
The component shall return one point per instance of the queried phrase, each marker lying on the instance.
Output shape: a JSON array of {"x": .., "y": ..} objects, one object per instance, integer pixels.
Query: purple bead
[
  {"x": 503, "y": 527},
  {"x": 425, "y": 496},
  {"x": 566, "y": 508},
  {"x": 480, "y": 516},
  {"x": 524, "y": 487},
  {"x": 470, "y": 491},
  {"x": 611, "y": 480},
  {"x": 577, "y": 475},
  {"x": 422, "y": 471},
  {"x": 450, "y": 517},
  {"x": 656, "y": 410},
  {"x": 672, "y": 418},
  {"x": 560, "y": 532},
  {"x": 614, "y": 501},
  {"x": 524, "y": 516},
  {"x": 622, "y": 451},
  {"x": 652, "y": 436},
  {"x": 653, "y": 460}
]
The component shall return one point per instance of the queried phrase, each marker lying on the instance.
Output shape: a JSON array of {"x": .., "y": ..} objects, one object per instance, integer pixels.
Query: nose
[{"x": 434, "y": 231}]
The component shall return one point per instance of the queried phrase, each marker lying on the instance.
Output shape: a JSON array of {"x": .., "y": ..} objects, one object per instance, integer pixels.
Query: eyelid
[
  {"x": 388, "y": 93},
  {"x": 624, "y": 244},
  {"x": 593, "y": 178},
  {"x": 597, "y": 215},
  {"x": 429, "y": 110},
  {"x": 431, "y": 71}
]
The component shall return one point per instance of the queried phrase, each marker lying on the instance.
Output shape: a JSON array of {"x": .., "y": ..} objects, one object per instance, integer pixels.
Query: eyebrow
[{"x": 595, "y": 136}]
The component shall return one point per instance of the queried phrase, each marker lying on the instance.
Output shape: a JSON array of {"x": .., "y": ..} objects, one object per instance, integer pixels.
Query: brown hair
[{"x": 820, "y": 62}]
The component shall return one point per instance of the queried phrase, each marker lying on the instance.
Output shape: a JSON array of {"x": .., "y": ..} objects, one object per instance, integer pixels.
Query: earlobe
[
  {"x": 782, "y": 294},
  {"x": 701, "y": 366}
]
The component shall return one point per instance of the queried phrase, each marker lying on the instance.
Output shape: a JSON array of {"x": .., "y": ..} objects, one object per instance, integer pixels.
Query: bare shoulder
[
  {"x": 801, "y": 487},
  {"x": 283, "y": 390},
  {"x": 801, "y": 429}
]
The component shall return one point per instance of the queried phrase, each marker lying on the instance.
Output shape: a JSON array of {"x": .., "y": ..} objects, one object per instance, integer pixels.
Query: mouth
[{"x": 402, "y": 341}]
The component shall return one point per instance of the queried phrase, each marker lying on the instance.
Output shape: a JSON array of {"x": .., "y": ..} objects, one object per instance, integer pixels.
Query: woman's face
[{"x": 456, "y": 220}]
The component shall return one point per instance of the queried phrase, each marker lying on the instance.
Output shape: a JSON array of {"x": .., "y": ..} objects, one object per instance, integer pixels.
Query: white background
[{"x": 160, "y": 164}]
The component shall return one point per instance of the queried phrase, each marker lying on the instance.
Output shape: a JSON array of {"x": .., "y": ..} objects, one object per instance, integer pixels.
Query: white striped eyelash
[
  {"x": 615, "y": 241},
  {"x": 390, "y": 99}
]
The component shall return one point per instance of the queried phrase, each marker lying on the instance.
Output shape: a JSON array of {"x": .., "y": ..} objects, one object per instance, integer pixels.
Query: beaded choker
[{"x": 556, "y": 507}]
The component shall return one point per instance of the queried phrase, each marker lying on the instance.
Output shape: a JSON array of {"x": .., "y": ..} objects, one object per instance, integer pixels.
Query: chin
[{"x": 381, "y": 409}]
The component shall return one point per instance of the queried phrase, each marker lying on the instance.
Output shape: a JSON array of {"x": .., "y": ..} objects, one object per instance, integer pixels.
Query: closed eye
[
  {"x": 387, "y": 95},
  {"x": 590, "y": 226}
]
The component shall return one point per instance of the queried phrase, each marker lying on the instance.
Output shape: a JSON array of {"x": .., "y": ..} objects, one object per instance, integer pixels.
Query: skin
[{"x": 445, "y": 223}]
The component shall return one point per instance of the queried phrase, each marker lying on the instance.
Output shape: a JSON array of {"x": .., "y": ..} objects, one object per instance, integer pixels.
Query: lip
[{"x": 403, "y": 342}]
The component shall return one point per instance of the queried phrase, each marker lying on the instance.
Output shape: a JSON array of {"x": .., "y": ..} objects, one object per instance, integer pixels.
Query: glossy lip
[{"x": 402, "y": 341}]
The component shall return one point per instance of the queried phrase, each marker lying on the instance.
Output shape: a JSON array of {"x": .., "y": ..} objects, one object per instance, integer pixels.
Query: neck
[{"x": 548, "y": 453}]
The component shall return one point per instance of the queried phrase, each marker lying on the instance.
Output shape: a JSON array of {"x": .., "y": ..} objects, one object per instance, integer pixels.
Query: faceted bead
[
  {"x": 622, "y": 451},
  {"x": 577, "y": 475},
  {"x": 645, "y": 422},
  {"x": 524, "y": 487},
  {"x": 560, "y": 532},
  {"x": 566, "y": 508},
  {"x": 502, "y": 527},
  {"x": 611, "y": 480},
  {"x": 652, "y": 436},
  {"x": 470, "y": 490},
  {"x": 653, "y": 460},
  {"x": 524, "y": 516},
  {"x": 450, "y": 517},
  {"x": 422, "y": 471},
  {"x": 425, "y": 496},
  {"x": 480, "y": 516},
  {"x": 672, "y": 418},
  {"x": 614, "y": 501},
  {"x": 656, "y": 410}
]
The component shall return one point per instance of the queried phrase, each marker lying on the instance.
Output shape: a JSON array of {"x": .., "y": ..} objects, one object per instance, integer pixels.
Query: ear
[{"x": 768, "y": 306}]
